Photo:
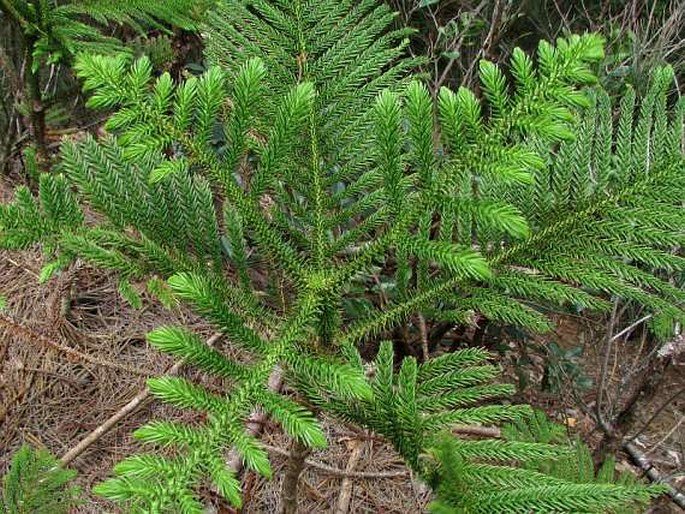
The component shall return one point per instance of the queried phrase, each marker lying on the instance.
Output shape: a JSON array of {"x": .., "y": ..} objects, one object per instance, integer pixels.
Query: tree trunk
[
  {"x": 34, "y": 99},
  {"x": 293, "y": 470}
]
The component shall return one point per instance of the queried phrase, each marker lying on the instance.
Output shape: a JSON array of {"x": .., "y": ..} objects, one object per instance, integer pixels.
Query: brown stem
[
  {"x": 643, "y": 393},
  {"x": 458, "y": 339},
  {"x": 256, "y": 421},
  {"x": 436, "y": 333},
  {"x": 425, "y": 351},
  {"x": 10, "y": 11},
  {"x": 123, "y": 412},
  {"x": 479, "y": 334},
  {"x": 403, "y": 347},
  {"x": 293, "y": 470},
  {"x": 343, "y": 504},
  {"x": 35, "y": 101},
  {"x": 494, "y": 34}
]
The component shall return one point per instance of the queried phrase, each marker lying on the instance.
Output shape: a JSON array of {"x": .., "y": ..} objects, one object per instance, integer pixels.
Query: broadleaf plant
[{"x": 265, "y": 191}]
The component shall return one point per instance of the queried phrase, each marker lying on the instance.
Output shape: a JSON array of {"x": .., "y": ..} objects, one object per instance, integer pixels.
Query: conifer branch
[{"x": 306, "y": 164}]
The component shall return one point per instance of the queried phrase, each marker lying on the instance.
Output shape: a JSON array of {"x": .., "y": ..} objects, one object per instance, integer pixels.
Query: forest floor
[{"x": 73, "y": 353}]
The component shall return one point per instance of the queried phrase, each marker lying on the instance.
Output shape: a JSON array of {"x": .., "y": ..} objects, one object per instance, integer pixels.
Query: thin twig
[
  {"x": 456, "y": 48},
  {"x": 641, "y": 461},
  {"x": 494, "y": 32},
  {"x": 68, "y": 380},
  {"x": 28, "y": 334},
  {"x": 656, "y": 413},
  {"x": 343, "y": 504},
  {"x": 664, "y": 438},
  {"x": 127, "y": 409},
  {"x": 24, "y": 268},
  {"x": 605, "y": 362},
  {"x": 369, "y": 475},
  {"x": 631, "y": 327},
  {"x": 8, "y": 402}
]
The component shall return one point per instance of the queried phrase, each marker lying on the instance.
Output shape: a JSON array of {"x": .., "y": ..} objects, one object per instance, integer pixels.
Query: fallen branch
[
  {"x": 370, "y": 475},
  {"x": 20, "y": 331},
  {"x": 127, "y": 409},
  {"x": 479, "y": 431},
  {"x": 345, "y": 495},
  {"x": 642, "y": 461},
  {"x": 105, "y": 427}
]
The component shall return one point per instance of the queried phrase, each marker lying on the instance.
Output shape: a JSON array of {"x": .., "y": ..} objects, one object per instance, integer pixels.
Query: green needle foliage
[
  {"x": 420, "y": 400},
  {"x": 57, "y": 31},
  {"x": 36, "y": 484},
  {"x": 538, "y": 488},
  {"x": 533, "y": 469},
  {"x": 54, "y": 32},
  {"x": 262, "y": 193},
  {"x": 577, "y": 465},
  {"x": 608, "y": 203},
  {"x": 511, "y": 482}
]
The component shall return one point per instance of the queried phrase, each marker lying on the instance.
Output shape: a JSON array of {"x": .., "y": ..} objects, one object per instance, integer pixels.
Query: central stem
[
  {"x": 35, "y": 100},
  {"x": 293, "y": 470}
]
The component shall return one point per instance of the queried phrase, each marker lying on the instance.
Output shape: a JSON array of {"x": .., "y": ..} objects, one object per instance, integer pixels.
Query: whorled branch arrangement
[{"x": 262, "y": 191}]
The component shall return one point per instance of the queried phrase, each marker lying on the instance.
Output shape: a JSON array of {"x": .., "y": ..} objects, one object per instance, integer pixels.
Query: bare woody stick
[
  {"x": 641, "y": 460},
  {"x": 343, "y": 504},
  {"x": 28, "y": 334},
  {"x": 338, "y": 472},
  {"x": 645, "y": 465},
  {"x": 127, "y": 409}
]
